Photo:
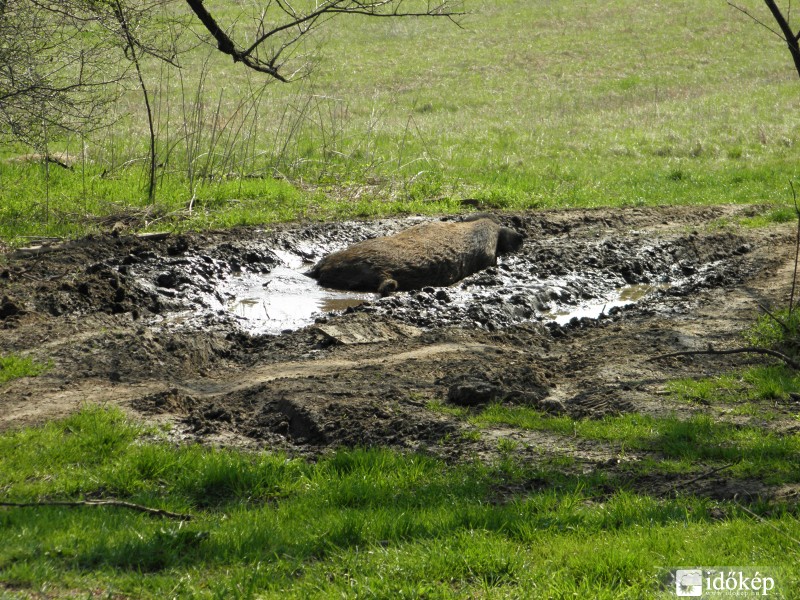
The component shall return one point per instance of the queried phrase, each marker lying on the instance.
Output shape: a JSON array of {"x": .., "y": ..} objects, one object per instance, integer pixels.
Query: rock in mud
[
  {"x": 360, "y": 329},
  {"x": 8, "y": 309},
  {"x": 473, "y": 393}
]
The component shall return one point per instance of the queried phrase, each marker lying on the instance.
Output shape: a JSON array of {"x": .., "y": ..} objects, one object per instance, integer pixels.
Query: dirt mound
[
  {"x": 271, "y": 419},
  {"x": 172, "y": 401},
  {"x": 355, "y": 423}
]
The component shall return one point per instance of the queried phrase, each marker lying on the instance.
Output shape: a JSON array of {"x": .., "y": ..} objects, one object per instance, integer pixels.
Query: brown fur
[{"x": 436, "y": 254}]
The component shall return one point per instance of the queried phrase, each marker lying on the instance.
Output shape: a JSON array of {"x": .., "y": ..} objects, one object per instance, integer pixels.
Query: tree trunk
[{"x": 792, "y": 39}]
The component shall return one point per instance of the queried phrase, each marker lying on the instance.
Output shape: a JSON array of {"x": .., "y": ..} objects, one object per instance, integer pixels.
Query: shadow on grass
[
  {"x": 696, "y": 442},
  {"x": 253, "y": 507}
]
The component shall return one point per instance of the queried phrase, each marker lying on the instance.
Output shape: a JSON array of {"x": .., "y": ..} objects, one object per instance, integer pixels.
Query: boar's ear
[
  {"x": 387, "y": 286},
  {"x": 508, "y": 240}
]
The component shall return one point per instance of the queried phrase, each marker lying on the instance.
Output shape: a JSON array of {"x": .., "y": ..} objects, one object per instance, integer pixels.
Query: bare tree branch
[
  {"x": 792, "y": 39},
  {"x": 60, "y": 67},
  {"x": 59, "y": 62},
  {"x": 786, "y": 33},
  {"x": 298, "y": 25},
  {"x": 225, "y": 44}
]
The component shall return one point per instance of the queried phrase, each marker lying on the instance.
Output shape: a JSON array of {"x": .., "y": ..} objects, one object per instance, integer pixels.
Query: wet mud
[{"x": 222, "y": 337}]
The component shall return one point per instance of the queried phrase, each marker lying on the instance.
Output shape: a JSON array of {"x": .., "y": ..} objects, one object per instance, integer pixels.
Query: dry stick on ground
[
  {"x": 764, "y": 521},
  {"x": 748, "y": 350},
  {"x": 704, "y": 475},
  {"x": 156, "y": 512}
]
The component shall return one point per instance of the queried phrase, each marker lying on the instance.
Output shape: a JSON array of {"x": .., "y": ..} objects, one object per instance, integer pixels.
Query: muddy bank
[
  {"x": 253, "y": 281},
  {"x": 222, "y": 337}
]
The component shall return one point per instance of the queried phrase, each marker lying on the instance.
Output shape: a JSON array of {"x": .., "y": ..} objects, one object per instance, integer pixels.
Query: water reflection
[
  {"x": 623, "y": 296},
  {"x": 287, "y": 299}
]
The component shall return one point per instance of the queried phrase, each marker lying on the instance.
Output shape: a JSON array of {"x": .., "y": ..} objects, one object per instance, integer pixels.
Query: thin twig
[
  {"x": 303, "y": 24},
  {"x": 747, "y": 12},
  {"x": 783, "y": 325},
  {"x": 704, "y": 475},
  {"x": 156, "y": 512},
  {"x": 748, "y": 350},
  {"x": 763, "y": 520},
  {"x": 796, "y": 248},
  {"x": 132, "y": 45}
]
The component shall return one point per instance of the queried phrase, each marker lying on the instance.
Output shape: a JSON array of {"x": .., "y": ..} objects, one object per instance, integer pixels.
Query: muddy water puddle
[
  {"x": 259, "y": 286},
  {"x": 626, "y": 295},
  {"x": 285, "y": 300}
]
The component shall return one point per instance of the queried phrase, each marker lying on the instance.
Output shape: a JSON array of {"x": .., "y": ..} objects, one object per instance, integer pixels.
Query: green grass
[
  {"x": 751, "y": 393},
  {"x": 753, "y": 385},
  {"x": 781, "y": 330},
  {"x": 25, "y": 212},
  {"x": 703, "y": 391},
  {"x": 13, "y": 366},
  {"x": 758, "y": 453},
  {"x": 355, "y": 523},
  {"x": 680, "y": 103},
  {"x": 443, "y": 408},
  {"x": 780, "y": 214}
]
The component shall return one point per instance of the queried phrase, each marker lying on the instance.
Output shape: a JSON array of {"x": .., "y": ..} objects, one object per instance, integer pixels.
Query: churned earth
[{"x": 221, "y": 336}]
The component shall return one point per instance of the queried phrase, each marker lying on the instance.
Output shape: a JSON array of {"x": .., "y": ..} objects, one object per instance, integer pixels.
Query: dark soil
[{"x": 144, "y": 323}]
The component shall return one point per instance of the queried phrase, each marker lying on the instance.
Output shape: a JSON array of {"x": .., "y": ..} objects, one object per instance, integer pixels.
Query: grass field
[
  {"x": 357, "y": 523},
  {"x": 530, "y": 104}
]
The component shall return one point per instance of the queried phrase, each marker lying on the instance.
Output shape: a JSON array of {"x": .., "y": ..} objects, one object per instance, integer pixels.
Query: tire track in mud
[
  {"x": 326, "y": 366},
  {"x": 60, "y": 402}
]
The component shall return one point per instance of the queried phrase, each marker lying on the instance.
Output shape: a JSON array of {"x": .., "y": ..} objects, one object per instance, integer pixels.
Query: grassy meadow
[
  {"x": 362, "y": 523},
  {"x": 527, "y": 105}
]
